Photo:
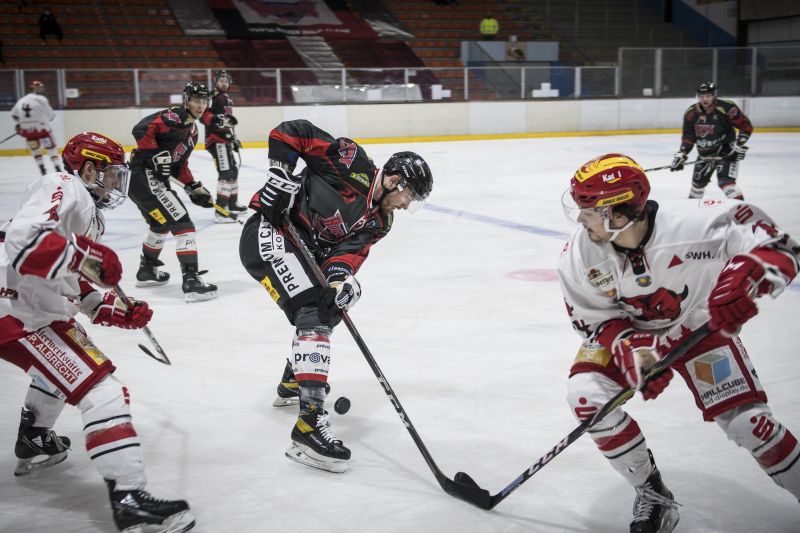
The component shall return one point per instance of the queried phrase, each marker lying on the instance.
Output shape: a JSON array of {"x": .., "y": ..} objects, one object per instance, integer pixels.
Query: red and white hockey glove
[
  {"x": 97, "y": 263},
  {"x": 113, "y": 312},
  {"x": 731, "y": 302},
  {"x": 634, "y": 355}
]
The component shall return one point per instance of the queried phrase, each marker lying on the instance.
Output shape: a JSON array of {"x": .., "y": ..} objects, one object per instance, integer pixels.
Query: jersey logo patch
[
  {"x": 675, "y": 261},
  {"x": 703, "y": 130},
  {"x": 660, "y": 305},
  {"x": 347, "y": 152}
]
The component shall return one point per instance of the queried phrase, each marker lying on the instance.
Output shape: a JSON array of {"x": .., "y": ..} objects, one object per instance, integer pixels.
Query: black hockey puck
[{"x": 342, "y": 405}]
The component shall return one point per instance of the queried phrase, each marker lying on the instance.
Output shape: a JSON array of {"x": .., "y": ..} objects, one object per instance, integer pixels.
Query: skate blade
[
  {"x": 670, "y": 521},
  {"x": 177, "y": 523},
  {"x": 285, "y": 402},
  {"x": 224, "y": 221},
  {"x": 298, "y": 455},
  {"x": 151, "y": 283},
  {"x": 26, "y": 466},
  {"x": 192, "y": 297}
]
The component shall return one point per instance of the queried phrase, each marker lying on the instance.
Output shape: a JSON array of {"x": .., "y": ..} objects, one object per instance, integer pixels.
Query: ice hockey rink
[{"x": 463, "y": 313}]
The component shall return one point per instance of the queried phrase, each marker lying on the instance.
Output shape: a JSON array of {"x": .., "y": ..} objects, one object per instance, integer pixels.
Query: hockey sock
[
  {"x": 45, "y": 401},
  {"x": 153, "y": 244},
  {"x": 774, "y": 448},
  {"x": 312, "y": 356},
  {"x": 111, "y": 440},
  {"x": 224, "y": 193},
  {"x": 186, "y": 247}
]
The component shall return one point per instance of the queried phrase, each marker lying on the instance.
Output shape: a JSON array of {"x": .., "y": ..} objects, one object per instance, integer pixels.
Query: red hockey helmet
[
  {"x": 610, "y": 180},
  {"x": 111, "y": 186}
]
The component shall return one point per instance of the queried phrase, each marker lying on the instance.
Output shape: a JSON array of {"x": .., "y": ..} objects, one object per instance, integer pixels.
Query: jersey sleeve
[
  {"x": 687, "y": 137},
  {"x": 300, "y": 139},
  {"x": 35, "y": 242},
  {"x": 47, "y": 110},
  {"x": 741, "y": 123},
  {"x": 751, "y": 231}
]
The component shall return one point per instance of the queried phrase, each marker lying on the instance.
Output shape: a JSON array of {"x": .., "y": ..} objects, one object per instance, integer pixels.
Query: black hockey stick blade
[
  {"x": 165, "y": 359},
  {"x": 465, "y": 488}
]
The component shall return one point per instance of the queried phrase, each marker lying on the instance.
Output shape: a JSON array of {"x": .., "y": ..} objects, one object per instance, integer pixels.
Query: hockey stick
[
  {"x": 473, "y": 495},
  {"x": 689, "y": 163},
  {"x": 490, "y": 501},
  {"x": 163, "y": 359},
  {"x": 9, "y": 137},
  {"x": 227, "y": 214}
]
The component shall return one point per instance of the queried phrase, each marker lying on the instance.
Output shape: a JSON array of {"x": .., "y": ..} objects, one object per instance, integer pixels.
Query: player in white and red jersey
[
  {"x": 32, "y": 116},
  {"x": 637, "y": 278},
  {"x": 50, "y": 263}
]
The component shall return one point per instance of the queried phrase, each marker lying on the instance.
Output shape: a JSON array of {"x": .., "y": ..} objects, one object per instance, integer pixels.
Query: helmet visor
[
  {"x": 415, "y": 200},
  {"x": 111, "y": 186},
  {"x": 583, "y": 216}
]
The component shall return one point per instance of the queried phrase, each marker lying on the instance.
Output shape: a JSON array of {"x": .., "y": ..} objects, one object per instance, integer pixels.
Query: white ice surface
[{"x": 462, "y": 313}]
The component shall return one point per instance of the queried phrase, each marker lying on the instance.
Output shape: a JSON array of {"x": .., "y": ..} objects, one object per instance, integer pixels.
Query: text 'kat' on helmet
[
  {"x": 413, "y": 170},
  {"x": 111, "y": 185},
  {"x": 195, "y": 89},
  {"x": 610, "y": 180},
  {"x": 707, "y": 87},
  {"x": 222, "y": 74}
]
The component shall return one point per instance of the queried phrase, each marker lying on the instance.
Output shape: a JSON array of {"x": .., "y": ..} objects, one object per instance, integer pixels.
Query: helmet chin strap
[
  {"x": 615, "y": 232},
  {"x": 384, "y": 190}
]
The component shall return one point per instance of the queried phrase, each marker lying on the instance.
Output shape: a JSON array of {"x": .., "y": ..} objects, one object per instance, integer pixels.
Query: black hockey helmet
[
  {"x": 195, "y": 89},
  {"x": 414, "y": 173},
  {"x": 707, "y": 87},
  {"x": 220, "y": 74}
]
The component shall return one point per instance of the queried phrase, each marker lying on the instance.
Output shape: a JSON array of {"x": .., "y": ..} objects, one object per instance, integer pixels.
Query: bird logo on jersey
[
  {"x": 663, "y": 304},
  {"x": 347, "y": 152}
]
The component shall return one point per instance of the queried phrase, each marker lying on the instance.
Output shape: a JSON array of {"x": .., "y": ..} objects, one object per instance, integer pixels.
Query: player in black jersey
[
  {"x": 712, "y": 125},
  {"x": 221, "y": 142},
  {"x": 342, "y": 204},
  {"x": 164, "y": 141}
]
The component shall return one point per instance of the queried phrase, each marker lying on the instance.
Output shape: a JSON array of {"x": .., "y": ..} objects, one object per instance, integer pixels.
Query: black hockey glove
[
  {"x": 737, "y": 152},
  {"x": 232, "y": 121},
  {"x": 678, "y": 161},
  {"x": 198, "y": 194},
  {"x": 341, "y": 296},
  {"x": 277, "y": 194},
  {"x": 162, "y": 165}
]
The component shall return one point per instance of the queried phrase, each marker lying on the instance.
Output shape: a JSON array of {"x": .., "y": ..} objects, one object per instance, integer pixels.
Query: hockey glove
[
  {"x": 731, "y": 302},
  {"x": 162, "y": 165},
  {"x": 737, "y": 152},
  {"x": 97, "y": 263},
  {"x": 113, "y": 312},
  {"x": 277, "y": 194},
  {"x": 634, "y": 355},
  {"x": 232, "y": 121},
  {"x": 342, "y": 295},
  {"x": 678, "y": 162},
  {"x": 198, "y": 194}
]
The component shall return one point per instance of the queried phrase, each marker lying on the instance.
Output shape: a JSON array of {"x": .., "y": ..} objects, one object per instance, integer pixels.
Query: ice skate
[
  {"x": 136, "y": 511},
  {"x": 37, "y": 447},
  {"x": 149, "y": 275},
  {"x": 313, "y": 442},
  {"x": 288, "y": 389},
  {"x": 194, "y": 288},
  {"x": 654, "y": 510}
]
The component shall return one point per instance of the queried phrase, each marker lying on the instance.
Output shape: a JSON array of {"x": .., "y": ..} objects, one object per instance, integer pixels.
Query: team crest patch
[
  {"x": 347, "y": 152},
  {"x": 87, "y": 345}
]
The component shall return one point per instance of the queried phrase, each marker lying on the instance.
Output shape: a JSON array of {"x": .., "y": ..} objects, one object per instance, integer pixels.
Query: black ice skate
[
  {"x": 654, "y": 510},
  {"x": 234, "y": 207},
  {"x": 194, "y": 288},
  {"x": 37, "y": 447},
  {"x": 136, "y": 511},
  {"x": 313, "y": 442},
  {"x": 149, "y": 275},
  {"x": 288, "y": 389}
]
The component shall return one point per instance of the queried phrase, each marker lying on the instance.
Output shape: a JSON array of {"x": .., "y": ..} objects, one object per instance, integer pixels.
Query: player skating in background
[
  {"x": 165, "y": 141},
  {"x": 221, "y": 143},
  {"x": 639, "y": 276},
  {"x": 342, "y": 204},
  {"x": 32, "y": 116},
  {"x": 712, "y": 125},
  {"x": 50, "y": 263}
]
